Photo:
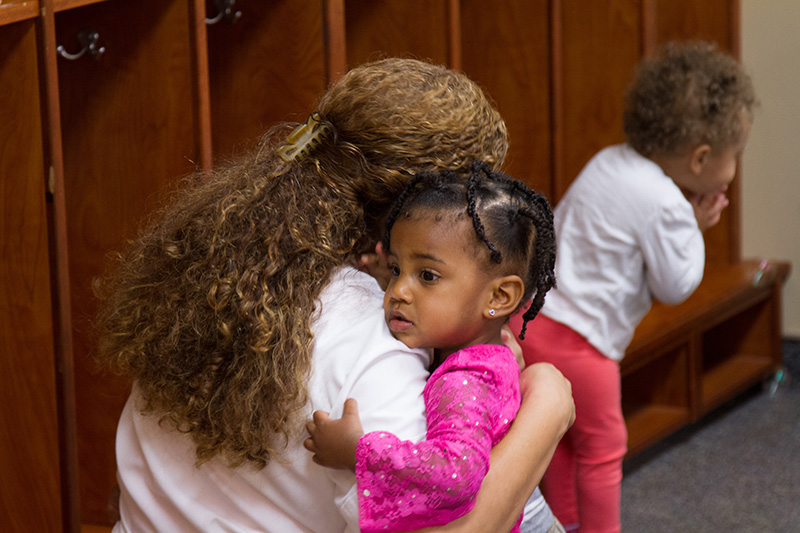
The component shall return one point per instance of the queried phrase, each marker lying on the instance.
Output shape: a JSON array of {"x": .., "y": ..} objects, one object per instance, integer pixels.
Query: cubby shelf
[
  {"x": 686, "y": 360},
  {"x": 724, "y": 380},
  {"x": 647, "y": 424}
]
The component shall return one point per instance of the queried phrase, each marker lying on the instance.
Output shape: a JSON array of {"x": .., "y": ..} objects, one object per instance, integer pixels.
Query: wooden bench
[{"x": 685, "y": 360}]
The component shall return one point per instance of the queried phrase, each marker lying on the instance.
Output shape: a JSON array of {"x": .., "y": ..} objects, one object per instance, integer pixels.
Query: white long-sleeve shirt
[
  {"x": 625, "y": 234},
  {"x": 354, "y": 356}
]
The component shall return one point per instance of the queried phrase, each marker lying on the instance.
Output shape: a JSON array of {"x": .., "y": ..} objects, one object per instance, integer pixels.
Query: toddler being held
[{"x": 464, "y": 255}]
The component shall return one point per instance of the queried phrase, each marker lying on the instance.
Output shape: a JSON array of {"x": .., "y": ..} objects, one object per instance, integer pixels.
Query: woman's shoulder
[
  {"x": 349, "y": 291},
  {"x": 351, "y": 335}
]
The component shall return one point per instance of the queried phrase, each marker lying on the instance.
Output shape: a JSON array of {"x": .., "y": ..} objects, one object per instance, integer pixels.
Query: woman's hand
[
  {"x": 543, "y": 384},
  {"x": 508, "y": 338},
  {"x": 376, "y": 265}
]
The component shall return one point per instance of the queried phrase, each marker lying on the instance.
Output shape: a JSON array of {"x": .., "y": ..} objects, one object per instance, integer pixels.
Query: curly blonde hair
[
  {"x": 210, "y": 309},
  {"x": 689, "y": 94}
]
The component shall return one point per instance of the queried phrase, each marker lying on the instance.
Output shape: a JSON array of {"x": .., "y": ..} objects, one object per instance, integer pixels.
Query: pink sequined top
[{"x": 470, "y": 401}]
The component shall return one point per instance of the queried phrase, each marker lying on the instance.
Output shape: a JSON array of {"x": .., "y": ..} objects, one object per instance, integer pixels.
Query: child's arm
[
  {"x": 402, "y": 485},
  {"x": 333, "y": 441},
  {"x": 673, "y": 249},
  {"x": 520, "y": 459}
]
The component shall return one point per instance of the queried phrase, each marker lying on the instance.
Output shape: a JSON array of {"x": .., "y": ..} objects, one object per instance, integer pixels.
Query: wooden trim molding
[
  {"x": 335, "y": 44},
  {"x": 735, "y": 209},
  {"x": 556, "y": 103},
  {"x": 201, "y": 91},
  {"x": 649, "y": 29},
  {"x": 455, "y": 50},
  {"x": 62, "y": 312}
]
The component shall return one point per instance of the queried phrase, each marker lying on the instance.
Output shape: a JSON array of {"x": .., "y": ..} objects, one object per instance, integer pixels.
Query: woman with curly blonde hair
[{"x": 239, "y": 310}]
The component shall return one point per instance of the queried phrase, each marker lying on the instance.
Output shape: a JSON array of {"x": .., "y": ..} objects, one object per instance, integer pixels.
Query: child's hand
[
  {"x": 333, "y": 442},
  {"x": 708, "y": 207},
  {"x": 376, "y": 265}
]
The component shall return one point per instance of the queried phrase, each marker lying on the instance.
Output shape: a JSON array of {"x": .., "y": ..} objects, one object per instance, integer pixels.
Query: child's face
[
  {"x": 438, "y": 292},
  {"x": 720, "y": 167}
]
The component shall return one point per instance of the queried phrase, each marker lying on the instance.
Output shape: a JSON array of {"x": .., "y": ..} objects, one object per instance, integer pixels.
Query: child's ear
[
  {"x": 698, "y": 158},
  {"x": 506, "y": 295}
]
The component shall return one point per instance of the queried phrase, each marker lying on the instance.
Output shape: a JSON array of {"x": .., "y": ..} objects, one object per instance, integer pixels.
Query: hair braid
[
  {"x": 474, "y": 181},
  {"x": 541, "y": 269}
]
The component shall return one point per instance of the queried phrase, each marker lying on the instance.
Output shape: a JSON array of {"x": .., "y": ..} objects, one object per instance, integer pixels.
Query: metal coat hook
[
  {"x": 88, "y": 41},
  {"x": 226, "y": 10}
]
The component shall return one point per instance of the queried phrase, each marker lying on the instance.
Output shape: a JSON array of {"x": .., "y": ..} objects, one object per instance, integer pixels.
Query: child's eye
[
  {"x": 428, "y": 276},
  {"x": 394, "y": 269}
]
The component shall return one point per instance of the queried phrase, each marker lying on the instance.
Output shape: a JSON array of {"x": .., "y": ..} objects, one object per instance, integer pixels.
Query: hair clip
[{"x": 304, "y": 138}]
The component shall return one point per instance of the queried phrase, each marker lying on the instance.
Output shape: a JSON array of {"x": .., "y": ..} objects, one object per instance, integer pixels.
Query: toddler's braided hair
[{"x": 514, "y": 223}]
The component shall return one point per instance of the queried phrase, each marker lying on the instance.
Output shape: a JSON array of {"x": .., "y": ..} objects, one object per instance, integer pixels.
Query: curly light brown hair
[
  {"x": 209, "y": 311},
  {"x": 688, "y": 94}
]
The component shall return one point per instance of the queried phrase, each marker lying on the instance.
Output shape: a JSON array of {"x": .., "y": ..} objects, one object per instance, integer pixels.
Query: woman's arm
[{"x": 519, "y": 461}]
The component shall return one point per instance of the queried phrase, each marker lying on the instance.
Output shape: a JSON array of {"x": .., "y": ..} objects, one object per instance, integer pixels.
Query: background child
[
  {"x": 629, "y": 229},
  {"x": 463, "y": 256}
]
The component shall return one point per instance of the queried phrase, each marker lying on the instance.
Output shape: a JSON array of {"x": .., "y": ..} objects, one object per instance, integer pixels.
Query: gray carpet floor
[{"x": 737, "y": 470}]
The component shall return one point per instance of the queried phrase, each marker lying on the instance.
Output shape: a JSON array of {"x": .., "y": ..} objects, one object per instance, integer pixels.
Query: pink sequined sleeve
[{"x": 470, "y": 401}]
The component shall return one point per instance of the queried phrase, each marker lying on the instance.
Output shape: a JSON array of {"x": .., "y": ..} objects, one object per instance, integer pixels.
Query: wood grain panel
[
  {"x": 128, "y": 133},
  {"x": 600, "y": 47},
  {"x": 29, "y": 466},
  {"x": 266, "y": 68},
  {"x": 688, "y": 19},
  {"x": 401, "y": 28},
  {"x": 508, "y": 53}
]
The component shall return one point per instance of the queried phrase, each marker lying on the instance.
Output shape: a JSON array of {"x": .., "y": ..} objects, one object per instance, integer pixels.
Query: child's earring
[{"x": 491, "y": 312}]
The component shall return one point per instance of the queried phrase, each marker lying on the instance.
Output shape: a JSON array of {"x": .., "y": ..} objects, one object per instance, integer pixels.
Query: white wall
[{"x": 771, "y": 161}]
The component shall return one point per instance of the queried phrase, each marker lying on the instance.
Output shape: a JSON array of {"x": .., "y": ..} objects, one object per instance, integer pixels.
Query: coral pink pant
[{"x": 582, "y": 483}]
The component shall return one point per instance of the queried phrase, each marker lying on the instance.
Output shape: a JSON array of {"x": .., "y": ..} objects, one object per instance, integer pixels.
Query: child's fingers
[
  {"x": 311, "y": 427},
  {"x": 350, "y": 408},
  {"x": 364, "y": 262},
  {"x": 719, "y": 204},
  {"x": 320, "y": 417},
  {"x": 309, "y": 445},
  {"x": 705, "y": 201}
]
